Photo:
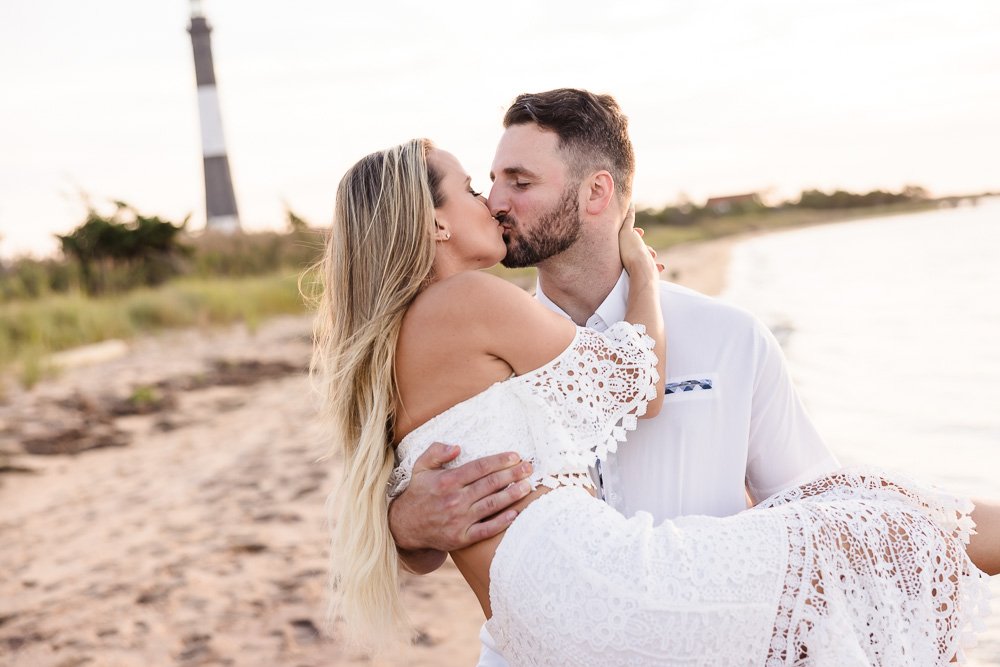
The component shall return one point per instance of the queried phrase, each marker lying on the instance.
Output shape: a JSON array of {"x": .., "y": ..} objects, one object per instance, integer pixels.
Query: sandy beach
[{"x": 162, "y": 503}]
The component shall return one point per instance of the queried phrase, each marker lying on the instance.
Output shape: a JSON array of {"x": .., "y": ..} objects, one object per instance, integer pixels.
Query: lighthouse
[{"x": 220, "y": 201}]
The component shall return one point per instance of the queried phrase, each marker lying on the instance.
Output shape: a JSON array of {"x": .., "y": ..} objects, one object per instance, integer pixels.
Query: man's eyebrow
[{"x": 516, "y": 170}]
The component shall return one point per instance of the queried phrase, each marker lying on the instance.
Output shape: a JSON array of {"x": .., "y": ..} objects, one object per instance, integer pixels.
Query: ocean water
[{"x": 891, "y": 328}]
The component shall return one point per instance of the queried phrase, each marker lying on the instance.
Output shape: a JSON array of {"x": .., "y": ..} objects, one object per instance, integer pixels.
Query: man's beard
[{"x": 553, "y": 233}]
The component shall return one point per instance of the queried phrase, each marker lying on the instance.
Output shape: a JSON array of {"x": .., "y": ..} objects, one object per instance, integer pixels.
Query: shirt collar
[{"x": 611, "y": 310}]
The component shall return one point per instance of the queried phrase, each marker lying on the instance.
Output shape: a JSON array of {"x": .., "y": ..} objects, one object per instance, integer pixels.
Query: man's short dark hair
[{"x": 592, "y": 130}]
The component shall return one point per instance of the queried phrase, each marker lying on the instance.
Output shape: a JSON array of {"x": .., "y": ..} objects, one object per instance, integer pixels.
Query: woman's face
[{"x": 476, "y": 238}]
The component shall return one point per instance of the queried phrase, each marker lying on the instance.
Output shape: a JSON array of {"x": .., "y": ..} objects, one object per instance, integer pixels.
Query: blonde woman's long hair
[{"x": 377, "y": 260}]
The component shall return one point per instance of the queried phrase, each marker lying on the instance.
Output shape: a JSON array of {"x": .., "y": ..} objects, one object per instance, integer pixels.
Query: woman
[{"x": 414, "y": 345}]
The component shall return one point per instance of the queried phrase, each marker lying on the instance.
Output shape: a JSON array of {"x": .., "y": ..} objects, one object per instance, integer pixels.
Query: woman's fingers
[
  {"x": 631, "y": 248},
  {"x": 630, "y": 215}
]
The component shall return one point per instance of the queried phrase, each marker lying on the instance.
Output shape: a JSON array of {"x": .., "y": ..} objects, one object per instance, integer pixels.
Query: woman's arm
[{"x": 643, "y": 305}]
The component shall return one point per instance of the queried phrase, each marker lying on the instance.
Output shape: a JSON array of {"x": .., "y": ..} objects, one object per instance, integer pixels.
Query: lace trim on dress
[
  {"x": 858, "y": 567},
  {"x": 960, "y": 597},
  {"x": 588, "y": 400},
  {"x": 578, "y": 407}
]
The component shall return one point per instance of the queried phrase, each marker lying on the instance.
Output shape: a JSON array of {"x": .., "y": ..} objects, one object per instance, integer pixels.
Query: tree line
[
  {"x": 123, "y": 248},
  {"x": 686, "y": 213}
]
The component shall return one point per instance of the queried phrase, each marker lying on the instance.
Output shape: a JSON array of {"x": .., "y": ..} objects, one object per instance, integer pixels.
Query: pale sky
[{"x": 723, "y": 97}]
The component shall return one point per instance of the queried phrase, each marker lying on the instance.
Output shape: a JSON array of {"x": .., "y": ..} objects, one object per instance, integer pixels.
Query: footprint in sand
[{"x": 305, "y": 631}]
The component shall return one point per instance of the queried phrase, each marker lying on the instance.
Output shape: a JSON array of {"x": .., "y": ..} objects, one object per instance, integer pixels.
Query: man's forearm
[{"x": 421, "y": 561}]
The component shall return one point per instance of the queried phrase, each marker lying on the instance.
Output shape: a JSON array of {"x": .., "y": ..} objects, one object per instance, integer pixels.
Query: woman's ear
[
  {"x": 598, "y": 191},
  {"x": 441, "y": 232}
]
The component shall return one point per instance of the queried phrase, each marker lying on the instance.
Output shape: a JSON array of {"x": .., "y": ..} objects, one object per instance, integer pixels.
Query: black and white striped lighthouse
[{"x": 220, "y": 201}]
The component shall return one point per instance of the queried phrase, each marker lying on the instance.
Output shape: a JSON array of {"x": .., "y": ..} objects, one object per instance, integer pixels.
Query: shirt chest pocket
[{"x": 693, "y": 387}]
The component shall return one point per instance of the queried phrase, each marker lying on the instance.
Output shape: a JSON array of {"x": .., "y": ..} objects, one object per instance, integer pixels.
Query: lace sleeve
[
  {"x": 589, "y": 397},
  {"x": 562, "y": 417}
]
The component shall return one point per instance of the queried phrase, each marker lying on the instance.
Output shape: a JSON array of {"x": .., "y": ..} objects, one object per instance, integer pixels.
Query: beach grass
[{"x": 32, "y": 330}]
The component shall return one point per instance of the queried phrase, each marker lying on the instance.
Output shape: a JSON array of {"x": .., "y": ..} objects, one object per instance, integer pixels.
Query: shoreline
[{"x": 701, "y": 265}]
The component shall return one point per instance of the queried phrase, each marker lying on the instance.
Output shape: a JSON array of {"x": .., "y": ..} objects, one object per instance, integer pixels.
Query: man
[{"x": 731, "y": 423}]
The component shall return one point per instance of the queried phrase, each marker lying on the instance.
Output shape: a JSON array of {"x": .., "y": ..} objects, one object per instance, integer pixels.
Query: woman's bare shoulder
[
  {"x": 493, "y": 316},
  {"x": 480, "y": 285},
  {"x": 470, "y": 297},
  {"x": 444, "y": 353}
]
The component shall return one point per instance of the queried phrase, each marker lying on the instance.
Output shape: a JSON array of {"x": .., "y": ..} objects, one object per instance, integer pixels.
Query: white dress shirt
[{"x": 731, "y": 420}]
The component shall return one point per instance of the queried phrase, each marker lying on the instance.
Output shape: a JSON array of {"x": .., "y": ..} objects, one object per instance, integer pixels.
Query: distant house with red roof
[{"x": 723, "y": 205}]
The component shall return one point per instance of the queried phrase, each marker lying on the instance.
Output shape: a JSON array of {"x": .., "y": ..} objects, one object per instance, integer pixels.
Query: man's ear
[{"x": 598, "y": 192}]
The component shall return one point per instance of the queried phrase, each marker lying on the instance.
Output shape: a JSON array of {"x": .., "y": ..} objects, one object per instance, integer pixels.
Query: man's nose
[{"x": 497, "y": 202}]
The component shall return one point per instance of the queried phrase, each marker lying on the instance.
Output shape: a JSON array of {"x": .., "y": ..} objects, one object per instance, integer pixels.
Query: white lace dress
[{"x": 856, "y": 568}]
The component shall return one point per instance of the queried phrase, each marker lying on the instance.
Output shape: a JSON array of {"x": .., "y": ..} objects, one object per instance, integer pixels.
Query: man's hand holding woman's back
[{"x": 445, "y": 510}]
